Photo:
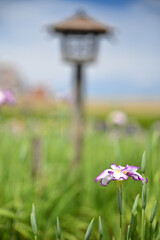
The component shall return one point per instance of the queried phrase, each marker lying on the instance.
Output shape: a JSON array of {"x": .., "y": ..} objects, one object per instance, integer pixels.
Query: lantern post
[{"x": 79, "y": 45}]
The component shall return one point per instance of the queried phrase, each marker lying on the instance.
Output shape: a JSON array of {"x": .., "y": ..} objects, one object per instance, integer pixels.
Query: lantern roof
[{"x": 80, "y": 23}]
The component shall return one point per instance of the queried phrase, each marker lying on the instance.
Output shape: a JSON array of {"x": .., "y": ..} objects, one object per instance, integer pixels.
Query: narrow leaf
[
  {"x": 33, "y": 220},
  {"x": 33, "y": 210},
  {"x": 157, "y": 237},
  {"x": 143, "y": 163},
  {"x": 153, "y": 212},
  {"x": 127, "y": 236},
  {"x": 89, "y": 230},
  {"x": 144, "y": 194},
  {"x": 131, "y": 226},
  {"x": 33, "y": 224},
  {"x": 58, "y": 230},
  {"x": 150, "y": 231},
  {"x": 100, "y": 229},
  {"x": 135, "y": 204},
  {"x": 156, "y": 230}
]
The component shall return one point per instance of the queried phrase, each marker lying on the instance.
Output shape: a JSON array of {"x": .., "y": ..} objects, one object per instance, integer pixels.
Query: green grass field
[{"x": 58, "y": 189}]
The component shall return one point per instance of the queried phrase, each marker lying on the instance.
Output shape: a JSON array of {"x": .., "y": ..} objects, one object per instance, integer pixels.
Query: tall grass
[{"x": 60, "y": 190}]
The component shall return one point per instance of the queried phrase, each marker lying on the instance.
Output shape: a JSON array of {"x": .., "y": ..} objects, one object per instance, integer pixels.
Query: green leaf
[
  {"x": 156, "y": 230},
  {"x": 131, "y": 226},
  {"x": 157, "y": 237},
  {"x": 143, "y": 163},
  {"x": 144, "y": 194},
  {"x": 135, "y": 204},
  {"x": 89, "y": 230},
  {"x": 150, "y": 231},
  {"x": 9, "y": 214},
  {"x": 33, "y": 210},
  {"x": 154, "y": 138},
  {"x": 23, "y": 152},
  {"x": 146, "y": 228},
  {"x": 153, "y": 212},
  {"x": 58, "y": 230},
  {"x": 100, "y": 229},
  {"x": 33, "y": 220},
  {"x": 23, "y": 229},
  {"x": 33, "y": 224},
  {"x": 128, "y": 229}
]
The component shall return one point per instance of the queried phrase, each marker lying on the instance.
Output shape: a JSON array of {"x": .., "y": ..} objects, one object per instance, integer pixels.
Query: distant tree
[{"x": 10, "y": 79}]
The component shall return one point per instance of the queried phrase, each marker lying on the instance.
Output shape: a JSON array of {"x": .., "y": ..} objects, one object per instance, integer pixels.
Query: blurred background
[
  {"x": 127, "y": 66},
  {"x": 121, "y": 117}
]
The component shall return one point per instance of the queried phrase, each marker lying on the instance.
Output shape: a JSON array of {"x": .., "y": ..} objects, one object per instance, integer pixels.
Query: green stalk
[
  {"x": 35, "y": 237},
  {"x": 120, "y": 226},
  {"x": 144, "y": 195},
  {"x": 120, "y": 207},
  {"x": 142, "y": 226}
]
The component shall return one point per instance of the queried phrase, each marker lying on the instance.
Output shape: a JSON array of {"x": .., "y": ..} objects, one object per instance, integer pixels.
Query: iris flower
[
  {"x": 119, "y": 173},
  {"x": 6, "y": 96}
]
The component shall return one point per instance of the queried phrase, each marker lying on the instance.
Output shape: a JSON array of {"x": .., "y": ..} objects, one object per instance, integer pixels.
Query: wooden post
[
  {"x": 78, "y": 114},
  {"x": 36, "y": 157}
]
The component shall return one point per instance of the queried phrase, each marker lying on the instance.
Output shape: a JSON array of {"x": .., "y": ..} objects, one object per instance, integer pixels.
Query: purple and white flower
[
  {"x": 6, "y": 96},
  {"x": 119, "y": 173}
]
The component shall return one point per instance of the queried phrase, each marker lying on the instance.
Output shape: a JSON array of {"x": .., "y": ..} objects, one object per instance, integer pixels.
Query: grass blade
[
  {"x": 153, "y": 212},
  {"x": 100, "y": 229},
  {"x": 89, "y": 230},
  {"x": 135, "y": 204},
  {"x": 58, "y": 230},
  {"x": 143, "y": 163}
]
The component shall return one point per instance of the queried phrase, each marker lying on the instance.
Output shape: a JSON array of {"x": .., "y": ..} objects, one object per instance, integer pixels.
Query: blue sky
[{"x": 129, "y": 65}]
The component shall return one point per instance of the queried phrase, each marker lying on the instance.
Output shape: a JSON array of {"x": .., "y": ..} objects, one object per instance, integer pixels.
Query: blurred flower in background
[
  {"x": 6, "y": 97},
  {"x": 118, "y": 118}
]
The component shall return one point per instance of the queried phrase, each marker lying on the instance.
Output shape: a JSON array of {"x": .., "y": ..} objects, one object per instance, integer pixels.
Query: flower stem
[
  {"x": 144, "y": 203},
  {"x": 120, "y": 226},
  {"x": 120, "y": 207},
  {"x": 35, "y": 237},
  {"x": 142, "y": 226}
]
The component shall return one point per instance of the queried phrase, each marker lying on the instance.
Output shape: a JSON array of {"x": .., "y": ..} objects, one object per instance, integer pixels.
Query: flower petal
[
  {"x": 113, "y": 166},
  {"x": 120, "y": 175},
  {"x": 106, "y": 180},
  {"x": 136, "y": 176},
  {"x": 120, "y": 167},
  {"x": 131, "y": 168},
  {"x": 104, "y": 174}
]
